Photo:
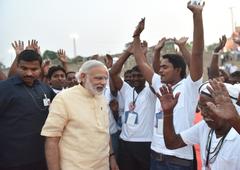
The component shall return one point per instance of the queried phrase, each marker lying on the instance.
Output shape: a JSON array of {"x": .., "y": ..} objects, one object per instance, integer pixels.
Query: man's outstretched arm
[
  {"x": 214, "y": 66},
  {"x": 117, "y": 67},
  {"x": 138, "y": 53},
  {"x": 196, "y": 62},
  {"x": 157, "y": 55}
]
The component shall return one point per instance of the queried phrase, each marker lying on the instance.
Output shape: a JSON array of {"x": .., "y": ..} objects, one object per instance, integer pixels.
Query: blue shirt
[{"x": 22, "y": 115}]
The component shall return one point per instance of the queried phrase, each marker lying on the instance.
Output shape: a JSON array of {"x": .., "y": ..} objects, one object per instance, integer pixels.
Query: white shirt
[
  {"x": 228, "y": 157},
  {"x": 113, "y": 128},
  {"x": 56, "y": 91},
  {"x": 145, "y": 106},
  {"x": 183, "y": 117},
  {"x": 121, "y": 104}
]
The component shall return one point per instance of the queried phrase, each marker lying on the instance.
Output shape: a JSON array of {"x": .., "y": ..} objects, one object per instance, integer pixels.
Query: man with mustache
[
  {"x": 24, "y": 103},
  {"x": 77, "y": 127},
  {"x": 172, "y": 70}
]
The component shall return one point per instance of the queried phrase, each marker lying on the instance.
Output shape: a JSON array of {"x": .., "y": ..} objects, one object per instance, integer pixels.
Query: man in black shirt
[{"x": 24, "y": 103}]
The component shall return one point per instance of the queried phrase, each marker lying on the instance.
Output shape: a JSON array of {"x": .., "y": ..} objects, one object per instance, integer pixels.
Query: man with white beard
[{"x": 77, "y": 127}]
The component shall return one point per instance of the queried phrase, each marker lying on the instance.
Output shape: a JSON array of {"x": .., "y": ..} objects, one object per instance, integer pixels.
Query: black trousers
[
  {"x": 134, "y": 155},
  {"x": 32, "y": 166}
]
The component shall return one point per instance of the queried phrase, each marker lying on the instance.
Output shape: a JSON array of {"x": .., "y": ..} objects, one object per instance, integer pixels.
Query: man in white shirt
[
  {"x": 139, "y": 106},
  {"x": 172, "y": 71},
  {"x": 219, "y": 142}
]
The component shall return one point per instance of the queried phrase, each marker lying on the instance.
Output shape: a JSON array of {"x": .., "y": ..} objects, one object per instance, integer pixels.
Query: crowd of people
[{"x": 57, "y": 119}]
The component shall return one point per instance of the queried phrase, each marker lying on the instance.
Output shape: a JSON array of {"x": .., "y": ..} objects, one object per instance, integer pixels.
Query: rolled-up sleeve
[
  {"x": 192, "y": 135},
  {"x": 57, "y": 118}
]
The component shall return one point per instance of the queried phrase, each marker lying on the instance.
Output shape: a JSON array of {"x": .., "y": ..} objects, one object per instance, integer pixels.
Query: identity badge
[
  {"x": 131, "y": 118},
  {"x": 46, "y": 101}
]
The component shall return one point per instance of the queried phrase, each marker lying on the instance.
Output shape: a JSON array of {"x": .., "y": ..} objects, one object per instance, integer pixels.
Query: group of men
[{"x": 149, "y": 114}]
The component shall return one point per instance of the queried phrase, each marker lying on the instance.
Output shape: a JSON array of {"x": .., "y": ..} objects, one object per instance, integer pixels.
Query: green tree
[
  {"x": 77, "y": 59},
  {"x": 49, "y": 55}
]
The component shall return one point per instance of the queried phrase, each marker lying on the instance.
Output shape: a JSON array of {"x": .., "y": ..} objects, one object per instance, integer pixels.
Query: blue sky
[{"x": 104, "y": 26}]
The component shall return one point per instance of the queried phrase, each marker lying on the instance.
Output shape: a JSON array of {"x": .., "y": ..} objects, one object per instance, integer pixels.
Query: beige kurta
[{"x": 81, "y": 120}]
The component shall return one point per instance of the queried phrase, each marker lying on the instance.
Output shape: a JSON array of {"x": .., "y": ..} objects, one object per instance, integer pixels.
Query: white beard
[{"x": 92, "y": 89}]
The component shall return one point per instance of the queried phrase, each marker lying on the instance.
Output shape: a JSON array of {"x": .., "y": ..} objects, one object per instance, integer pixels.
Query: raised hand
[
  {"x": 18, "y": 46},
  {"x": 144, "y": 46},
  {"x": 181, "y": 42},
  {"x": 139, "y": 28},
  {"x": 45, "y": 66},
  {"x": 33, "y": 45},
  {"x": 167, "y": 100},
  {"x": 195, "y": 8},
  {"x": 108, "y": 60},
  {"x": 62, "y": 56},
  {"x": 221, "y": 44},
  {"x": 160, "y": 44},
  {"x": 222, "y": 106}
]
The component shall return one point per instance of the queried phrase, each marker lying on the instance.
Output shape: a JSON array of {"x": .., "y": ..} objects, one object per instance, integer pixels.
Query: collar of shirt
[
  {"x": 174, "y": 86},
  {"x": 56, "y": 90},
  {"x": 232, "y": 134}
]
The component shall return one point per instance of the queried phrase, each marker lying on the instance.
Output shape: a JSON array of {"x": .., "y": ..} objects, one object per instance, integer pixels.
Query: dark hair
[
  {"x": 235, "y": 74},
  {"x": 53, "y": 69},
  {"x": 135, "y": 68},
  {"x": 69, "y": 72},
  {"x": 177, "y": 62},
  {"x": 127, "y": 72},
  {"x": 29, "y": 55}
]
